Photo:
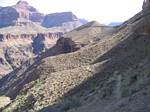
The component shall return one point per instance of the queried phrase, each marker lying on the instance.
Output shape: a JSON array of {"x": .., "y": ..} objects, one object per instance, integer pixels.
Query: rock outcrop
[
  {"x": 28, "y": 12},
  {"x": 80, "y": 37},
  {"x": 66, "y": 20},
  {"x": 63, "y": 45},
  {"x": 21, "y": 13},
  {"x": 67, "y": 45}
]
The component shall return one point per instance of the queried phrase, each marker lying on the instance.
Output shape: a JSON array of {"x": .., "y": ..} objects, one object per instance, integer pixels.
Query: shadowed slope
[{"x": 106, "y": 76}]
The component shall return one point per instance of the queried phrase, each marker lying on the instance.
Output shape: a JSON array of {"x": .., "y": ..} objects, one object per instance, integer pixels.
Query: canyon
[
  {"x": 24, "y": 36},
  {"x": 23, "y": 14},
  {"x": 17, "y": 49},
  {"x": 92, "y": 68}
]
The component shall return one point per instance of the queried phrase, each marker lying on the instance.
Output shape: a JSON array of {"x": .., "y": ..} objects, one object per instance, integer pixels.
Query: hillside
[{"x": 109, "y": 73}]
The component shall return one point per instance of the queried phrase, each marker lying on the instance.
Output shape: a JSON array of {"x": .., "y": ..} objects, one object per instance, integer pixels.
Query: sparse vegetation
[{"x": 111, "y": 74}]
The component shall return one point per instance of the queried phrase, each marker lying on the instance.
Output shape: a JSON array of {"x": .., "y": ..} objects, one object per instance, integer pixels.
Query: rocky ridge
[
  {"x": 110, "y": 74},
  {"x": 22, "y": 14},
  {"x": 67, "y": 20}
]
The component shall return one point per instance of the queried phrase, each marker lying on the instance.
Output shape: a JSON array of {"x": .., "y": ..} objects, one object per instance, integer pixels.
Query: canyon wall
[{"x": 15, "y": 50}]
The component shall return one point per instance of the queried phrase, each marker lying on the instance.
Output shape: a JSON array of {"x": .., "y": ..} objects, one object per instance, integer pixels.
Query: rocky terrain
[
  {"x": 67, "y": 20},
  {"x": 22, "y": 36},
  {"x": 93, "y": 68},
  {"x": 15, "y": 50},
  {"x": 23, "y": 14}
]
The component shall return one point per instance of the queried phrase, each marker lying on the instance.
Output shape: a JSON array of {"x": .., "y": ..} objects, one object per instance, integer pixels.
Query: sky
[{"x": 103, "y": 11}]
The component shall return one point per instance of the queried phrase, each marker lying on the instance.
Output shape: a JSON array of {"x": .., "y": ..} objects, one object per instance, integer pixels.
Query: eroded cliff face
[
  {"x": 21, "y": 13},
  {"x": 67, "y": 20},
  {"x": 8, "y": 16},
  {"x": 28, "y": 12},
  {"x": 15, "y": 50}
]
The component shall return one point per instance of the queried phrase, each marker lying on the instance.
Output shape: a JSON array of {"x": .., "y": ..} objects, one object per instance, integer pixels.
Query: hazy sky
[{"x": 104, "y": 11}]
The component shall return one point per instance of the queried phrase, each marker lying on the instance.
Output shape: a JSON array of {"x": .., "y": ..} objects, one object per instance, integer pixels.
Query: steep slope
[
  {"x": 80, "y": 58},
  {"x": 90, "y": 32},
  {"x": 54, "y": 64},
  {"x": 85, "y": 35},
  {"x": 109, "y": 75}
]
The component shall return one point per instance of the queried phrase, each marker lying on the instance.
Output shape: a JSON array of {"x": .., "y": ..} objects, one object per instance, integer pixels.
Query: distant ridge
[
  {"x": 90, "y": 24},
  {"x": 23, "y": 14},
  {"x": 115, "y": 23}
]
